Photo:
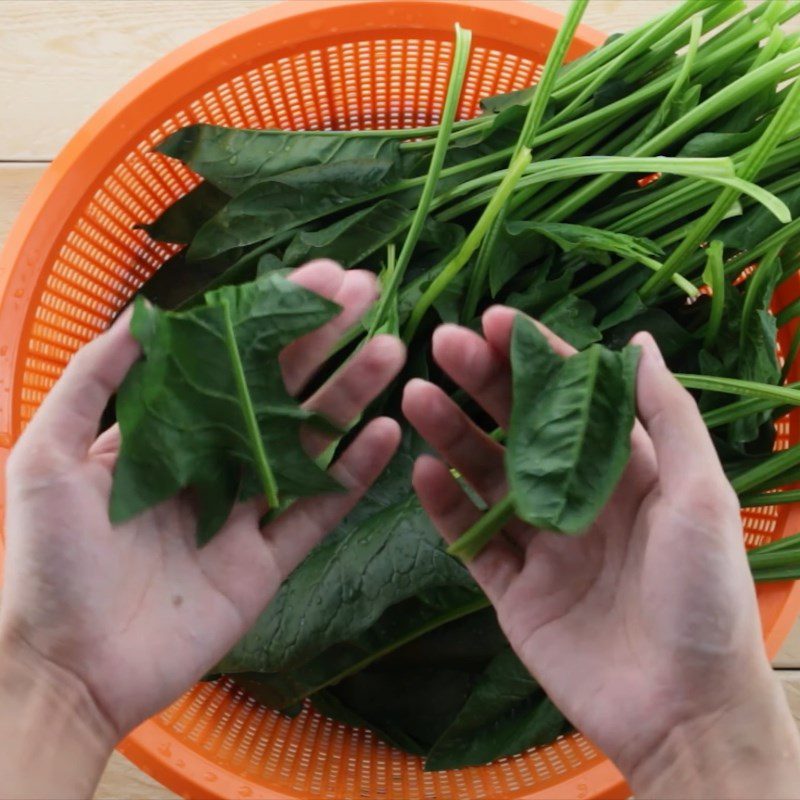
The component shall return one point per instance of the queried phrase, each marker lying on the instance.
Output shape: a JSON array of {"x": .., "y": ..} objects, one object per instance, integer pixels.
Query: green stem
[
  {"x": 791, "y": 355},
  {"x": 770, "y": 498},
  {"x": 742, "y": 408},
  {"x": 717, "y": 104},
  {"x": 754, "y": 290},
  {"x": 655, "y": 32},
  {"x": 460, "y": 56},
  {"x": 757, "y": 158},
  {"x": 473, "y": 540},
  {"x": 772, "y": 467},
  {"x": 530, "y": 127},
  {"x": 787, "y": 313},
  {"x": 469, "y": 245},
  {"x": 262, "y": 465},
  {"x": 742, "y": 388},
  {"x": 779, "y": 544},
  {"x": 716, "y": 280}
]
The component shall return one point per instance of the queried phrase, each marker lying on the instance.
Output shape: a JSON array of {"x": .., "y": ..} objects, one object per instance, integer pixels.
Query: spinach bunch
[{"x": 651, "y": 184}]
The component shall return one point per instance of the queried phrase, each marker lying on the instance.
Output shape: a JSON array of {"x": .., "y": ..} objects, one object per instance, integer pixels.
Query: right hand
[{"x": 645, "y": 630}]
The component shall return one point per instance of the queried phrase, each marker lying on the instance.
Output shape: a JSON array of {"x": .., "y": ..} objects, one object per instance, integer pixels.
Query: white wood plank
[
  {"x": 124, "y": 781},
  {"x": 791, "y": 685},
  {"x": 789, "y": 655},
  {"x": 61, "y": 59},
  {"x": 16, "y": 183}
]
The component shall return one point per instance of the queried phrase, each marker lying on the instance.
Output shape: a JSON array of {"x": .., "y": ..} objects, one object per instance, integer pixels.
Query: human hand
[
  {"x": 136, "y": 613},
  {"x": 645, "y": 630}
]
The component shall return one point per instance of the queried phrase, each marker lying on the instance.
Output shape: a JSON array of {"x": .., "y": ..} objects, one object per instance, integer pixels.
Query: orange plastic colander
[{"x": 73, "y": 259}]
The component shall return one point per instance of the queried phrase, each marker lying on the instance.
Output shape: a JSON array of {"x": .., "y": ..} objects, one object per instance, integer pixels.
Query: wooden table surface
[{"x": 60, "y": 59}]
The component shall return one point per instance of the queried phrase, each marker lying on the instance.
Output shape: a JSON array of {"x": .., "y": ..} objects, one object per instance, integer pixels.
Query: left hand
[{"x": 135, "y": 614}]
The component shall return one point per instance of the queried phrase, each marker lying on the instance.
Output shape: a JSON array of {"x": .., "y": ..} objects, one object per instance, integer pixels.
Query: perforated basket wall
[{"x": 73, "y": 259}]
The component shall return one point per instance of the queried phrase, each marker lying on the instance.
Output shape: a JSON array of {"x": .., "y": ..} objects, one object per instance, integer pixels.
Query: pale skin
[{"x": 645, "y": 631}]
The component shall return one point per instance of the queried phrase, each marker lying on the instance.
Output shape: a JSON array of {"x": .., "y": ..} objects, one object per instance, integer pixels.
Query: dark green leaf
[
  {"x": 234, "y": 159},
  {"x": 632, "y": 306},
  {"x": 270, "y": 263},
  {"x": 517, "y": 245},
  {"x": 181, "y": 221},
  {"x": 569, "y": 436},
  {"x": 756, "y": 224},
  {"x": 500, "y": 102},
  {"x": 610, "y": 92},
  {"x": 592, "y": 243},
  {"x": 177, "y": 280},
  {"x": 541, "y": 292},
  {"x": 384, "y": 552},
  {"x": 712, "y": 144},
  {"x": 572, "y": 319},
  {"x": 181, "y": 414},
  {"x": 503, "y": 131},
  {"x": 505, "y": 714},
  {"x": 350, "y": 240},
  {"x": 402, "y": 622},
  {"x": 421, "y": 704},
  {"x": 671, "y": 337},
  {"x": 287, "y": 201},
  {"x": 327, "y": 703}
]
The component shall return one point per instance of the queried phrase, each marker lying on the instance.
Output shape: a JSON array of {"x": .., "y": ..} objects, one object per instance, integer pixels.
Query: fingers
[
  {"x": 475, "y": 366},
  {"x": 306, "y": 522},
  {"x": 248, "y": 565},
  {"x": 456, "y": 438},
  {"x": 480, "y": 365},
  {"x": 353, "y": 290},
  {"x": 452, "y": 513},
  {"x": 105, "y": 448},
  {"x": 66, "y": 424},
  {"x": 355, "y": 386},
  {"x": 498, "y": 322},
  {"x": 685, "y": 454}
]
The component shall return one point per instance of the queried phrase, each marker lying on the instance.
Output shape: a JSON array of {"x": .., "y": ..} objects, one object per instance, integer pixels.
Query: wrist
[
  {"x": 56, "y": 742},
  {"x": 749, "y": 748}
]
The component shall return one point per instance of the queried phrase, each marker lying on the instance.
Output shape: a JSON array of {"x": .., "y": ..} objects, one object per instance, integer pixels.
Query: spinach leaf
[
  {"x": 572, "y": 319},
  {"x": 205, "y": 407},
  {"x": 350, "y": 240},
  {"x": 328, "y": 704},
  {"x": 181, "y": 221},
  {"x": 389, "y": 557},
  {"x": 288, "y": 200},
  {"x": 672, "y": 338},
  {"x": 177, "y": 280},
  {"x": 234, "y": 159},
  {"x": 505, "y": 714},
  {"x": 497, "y": 103},
  {"x": 569, "y": 435},
  {"x": 420, "y": 704},
  {"x": 517, "y": 245},
  {"x": 756, "y": 224},
  {"x": 385, "y": 551},
  {"x": 632, "y": 306},
  {"x": 712, "y": 143},
  {"x": 593, "y": 244},
  {"x": 542, "y": 290},
  {"x": 402, "y": 622}
]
